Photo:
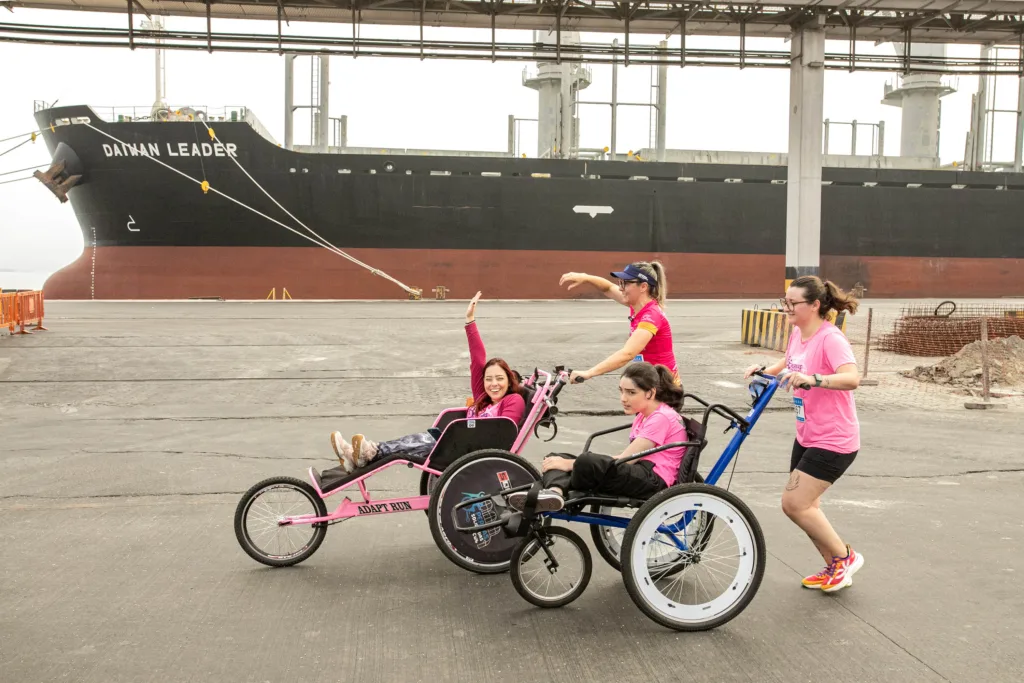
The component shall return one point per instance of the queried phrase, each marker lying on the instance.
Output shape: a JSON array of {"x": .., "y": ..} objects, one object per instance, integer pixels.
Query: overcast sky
[{"x": 408, "y": 103}]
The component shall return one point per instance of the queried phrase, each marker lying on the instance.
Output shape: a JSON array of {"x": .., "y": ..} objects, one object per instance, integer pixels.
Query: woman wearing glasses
[
  {"x": 643, "y": 288},
  {"x": 821, "y": 371}
]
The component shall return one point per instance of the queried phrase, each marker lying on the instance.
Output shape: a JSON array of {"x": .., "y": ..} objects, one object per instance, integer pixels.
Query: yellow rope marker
[
  {"x": 210, "y": 131},
  {"x": 205, "y": 185}
]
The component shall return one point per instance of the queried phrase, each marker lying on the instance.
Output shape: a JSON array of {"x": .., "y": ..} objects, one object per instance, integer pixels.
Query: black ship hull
[{"x": 511, "y": 226}]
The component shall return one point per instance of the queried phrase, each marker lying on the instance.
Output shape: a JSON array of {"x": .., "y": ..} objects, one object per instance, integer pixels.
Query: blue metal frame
[{"x": 731, "y": 449}]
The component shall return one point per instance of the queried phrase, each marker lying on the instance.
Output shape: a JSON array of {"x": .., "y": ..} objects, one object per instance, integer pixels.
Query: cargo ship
[{"x": 510, "y": 226}]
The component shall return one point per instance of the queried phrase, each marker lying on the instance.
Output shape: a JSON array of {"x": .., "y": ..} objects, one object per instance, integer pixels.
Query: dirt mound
[{"x": 963, "y": 369}]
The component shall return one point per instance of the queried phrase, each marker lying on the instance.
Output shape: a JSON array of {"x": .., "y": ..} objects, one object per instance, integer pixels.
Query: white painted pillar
[
  {"x": 662, "y": 101},
  {"x": 324, "y": 134},
  {"x": 565, "y": 113},
  {"x": 289, "y": 100},
  {"x": 803, "y": 185},
  {"x": 1018, "y": 146}
]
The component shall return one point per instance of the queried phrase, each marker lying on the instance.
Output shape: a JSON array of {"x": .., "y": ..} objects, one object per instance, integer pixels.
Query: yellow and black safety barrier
[{"x": 769, "y": 328}]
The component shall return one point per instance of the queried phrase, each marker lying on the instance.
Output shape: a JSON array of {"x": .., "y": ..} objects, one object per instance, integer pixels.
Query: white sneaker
[
  {"x": 548, "y": 500},
  {"x": 344, "y": 452}
]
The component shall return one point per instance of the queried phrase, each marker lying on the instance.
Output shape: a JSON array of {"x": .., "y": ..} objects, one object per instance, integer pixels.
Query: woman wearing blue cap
[{"x": 642, "y": 287}]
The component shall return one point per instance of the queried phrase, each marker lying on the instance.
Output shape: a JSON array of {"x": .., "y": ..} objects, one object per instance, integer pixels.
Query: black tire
[
  {"x": 428, "y": 482},
  {"x": 530, "y": 543},
  {"x": 478, "y": 473},
  {"x": 242, "y": 510},
  {"x": 598, "y": 534},
  {"x": 748, "y": 585}
]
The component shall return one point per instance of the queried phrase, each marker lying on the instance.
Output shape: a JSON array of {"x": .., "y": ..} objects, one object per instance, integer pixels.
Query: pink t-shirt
[
  {"x": 825, "y": 418},
  {"x": 662, "y": 426},
  {"x": 659, "y": 350}
]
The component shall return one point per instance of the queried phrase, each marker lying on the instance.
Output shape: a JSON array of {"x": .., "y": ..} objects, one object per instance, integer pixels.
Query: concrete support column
[
  {"x": 976, "y": 154},
  {"x": 615, "y": 96},
  {"x": 920, "y": 125},
  {"x": 565, "y": 113},
  {"x": 1018, "y": 147},
  {"x": 803, "y": 188},
  {"x": 324, "y": 134},
  {"x": 662, "y": 100},
  {"x": 289, "y": 101}
]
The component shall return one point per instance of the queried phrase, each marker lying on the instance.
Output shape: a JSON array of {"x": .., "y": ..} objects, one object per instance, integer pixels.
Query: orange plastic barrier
[
  {"x": 18, "y": 309},
  {"x": 8, "y": 311}
]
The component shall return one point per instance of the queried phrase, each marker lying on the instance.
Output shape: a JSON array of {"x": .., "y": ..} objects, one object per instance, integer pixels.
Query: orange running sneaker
[
  {"x": 844, "y": 569},
  {"x": 816, "y": 580}
]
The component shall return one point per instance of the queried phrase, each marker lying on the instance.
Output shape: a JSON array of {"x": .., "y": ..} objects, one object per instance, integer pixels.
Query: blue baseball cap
[{"x": 632, "y": 273}]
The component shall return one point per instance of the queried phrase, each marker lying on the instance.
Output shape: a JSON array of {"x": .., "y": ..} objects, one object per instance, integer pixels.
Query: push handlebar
[{"x": 719, "y": 409}]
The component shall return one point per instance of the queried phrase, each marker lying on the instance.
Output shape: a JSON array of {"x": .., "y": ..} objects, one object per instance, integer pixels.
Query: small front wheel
[
  {"x": 259, "y": 515},
  {"x": 551, "y": 568}
]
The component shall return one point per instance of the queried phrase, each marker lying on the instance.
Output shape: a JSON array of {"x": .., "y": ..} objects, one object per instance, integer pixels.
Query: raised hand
[
  {"x": 471, "y": 311},
  {"x": 573, "y": 279}
]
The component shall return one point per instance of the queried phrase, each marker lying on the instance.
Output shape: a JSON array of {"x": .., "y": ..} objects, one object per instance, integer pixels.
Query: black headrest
[{"x": 527, "y": 393}]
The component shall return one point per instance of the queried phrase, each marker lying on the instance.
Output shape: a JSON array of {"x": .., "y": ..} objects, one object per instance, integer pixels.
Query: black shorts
[{"x": 820, "y": 463}]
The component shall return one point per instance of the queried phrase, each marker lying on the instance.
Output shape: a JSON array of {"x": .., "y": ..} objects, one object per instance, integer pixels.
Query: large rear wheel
[
  {"x": 721, "y": 563},
  {"x": 481, "y": 473}
]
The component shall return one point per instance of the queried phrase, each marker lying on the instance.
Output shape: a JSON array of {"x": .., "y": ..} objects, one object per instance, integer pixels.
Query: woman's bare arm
[{"x": 604, "y": 286}]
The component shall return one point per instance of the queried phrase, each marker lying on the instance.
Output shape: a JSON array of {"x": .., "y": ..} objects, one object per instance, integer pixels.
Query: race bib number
[{"x": 798, "y": 403}]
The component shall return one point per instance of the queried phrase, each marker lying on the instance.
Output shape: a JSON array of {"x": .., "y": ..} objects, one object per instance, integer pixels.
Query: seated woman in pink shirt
[
  {"x": 651, "y": 394},
  {"x": 495, "y": 394},
  {"x": 822, "y": 373}
]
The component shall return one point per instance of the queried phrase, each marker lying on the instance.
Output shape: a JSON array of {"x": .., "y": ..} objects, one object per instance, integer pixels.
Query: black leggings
[{"x": 596, "y": 472}]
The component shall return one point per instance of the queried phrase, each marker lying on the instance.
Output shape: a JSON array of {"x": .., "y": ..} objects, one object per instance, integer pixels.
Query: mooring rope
[{"x": 317, "y": 239}]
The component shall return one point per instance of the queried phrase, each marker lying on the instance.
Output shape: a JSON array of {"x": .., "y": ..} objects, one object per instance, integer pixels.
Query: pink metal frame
[{"x": 367, "y": 506}]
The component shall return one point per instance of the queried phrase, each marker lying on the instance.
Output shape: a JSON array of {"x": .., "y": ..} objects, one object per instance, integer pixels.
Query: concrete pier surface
[{"x": 130, "y": 430}]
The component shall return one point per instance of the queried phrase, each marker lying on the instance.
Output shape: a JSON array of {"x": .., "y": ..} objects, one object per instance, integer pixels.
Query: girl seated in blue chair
[
  {"x": 495, "y": 394},
  {"x": 649, "y": 392}
]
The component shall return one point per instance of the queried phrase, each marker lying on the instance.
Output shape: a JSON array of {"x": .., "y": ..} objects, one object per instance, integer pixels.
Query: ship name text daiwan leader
[{"x": 181, "y": 149}]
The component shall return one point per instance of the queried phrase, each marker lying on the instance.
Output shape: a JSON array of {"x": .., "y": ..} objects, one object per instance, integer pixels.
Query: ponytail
[
  {"x": 827, "y": 293},
  {"x": 662, "y": 291},
  {"x": 669, "y": 392},
  {"x": 658, "y": 377},
  {"x": 840, "y": 300}
]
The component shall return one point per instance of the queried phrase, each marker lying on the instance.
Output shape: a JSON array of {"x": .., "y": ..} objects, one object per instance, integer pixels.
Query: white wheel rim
[
  {"x": 731, "y": 539},
  {"x": 612, "y": 539}
]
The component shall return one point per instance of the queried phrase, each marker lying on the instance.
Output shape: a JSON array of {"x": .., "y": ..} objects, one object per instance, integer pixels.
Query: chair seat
[{"x": 336, "y": 477}]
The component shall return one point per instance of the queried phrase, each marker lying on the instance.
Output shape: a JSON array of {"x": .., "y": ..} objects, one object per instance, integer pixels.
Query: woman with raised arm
[
  {"x": 651, "y": 394},
  {"x": 821, "y": 371},
  {"x": 495, "y": 394},
  {"x": 642, "y": 287}
]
